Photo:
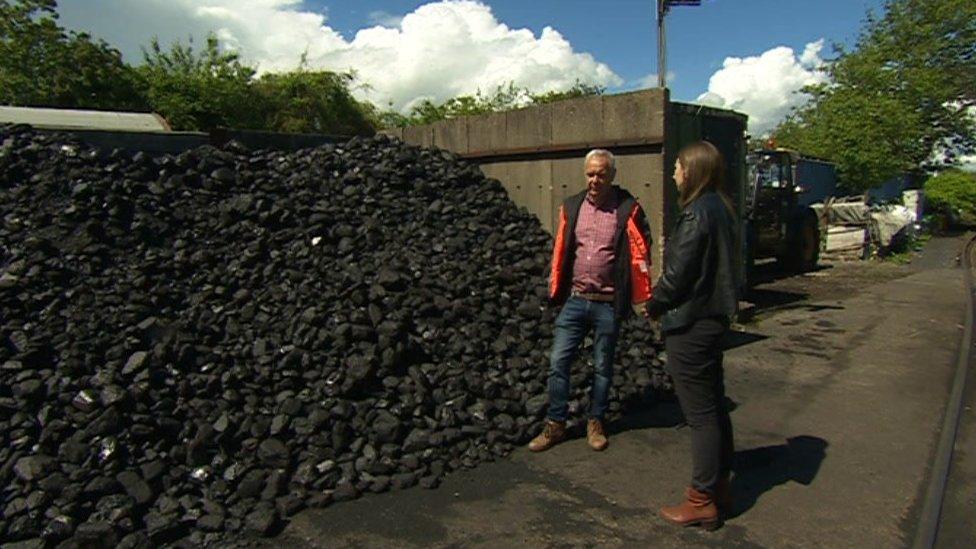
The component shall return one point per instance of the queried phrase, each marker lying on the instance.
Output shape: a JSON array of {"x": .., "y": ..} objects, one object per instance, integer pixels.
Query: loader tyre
[
  {"x": 803, "y": 249},
  {"x": 750, "y": 256}
]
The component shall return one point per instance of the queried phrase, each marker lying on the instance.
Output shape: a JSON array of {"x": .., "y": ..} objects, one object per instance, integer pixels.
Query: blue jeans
[{"x": 573, "y": 323}]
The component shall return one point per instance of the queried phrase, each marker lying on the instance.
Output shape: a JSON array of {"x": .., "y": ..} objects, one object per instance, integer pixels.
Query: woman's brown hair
[{"x": 704, "y": 170}]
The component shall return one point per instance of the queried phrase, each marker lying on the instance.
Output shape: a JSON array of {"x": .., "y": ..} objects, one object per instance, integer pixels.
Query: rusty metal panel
[{"x": 688, "y": 123}]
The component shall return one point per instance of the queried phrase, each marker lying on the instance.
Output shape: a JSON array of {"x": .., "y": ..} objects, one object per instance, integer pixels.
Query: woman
[{"x": 695, "y": 299}]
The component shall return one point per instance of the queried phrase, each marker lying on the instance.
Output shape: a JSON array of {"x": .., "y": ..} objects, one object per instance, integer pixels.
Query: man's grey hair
[{"x": 605, "y": 154}]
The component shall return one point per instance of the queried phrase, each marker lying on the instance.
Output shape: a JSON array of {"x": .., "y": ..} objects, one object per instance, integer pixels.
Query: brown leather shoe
[
  {"x": 595, "y": 435},
  {"x": 698, "y": 509},
  {"x": 553, "y": 433}
]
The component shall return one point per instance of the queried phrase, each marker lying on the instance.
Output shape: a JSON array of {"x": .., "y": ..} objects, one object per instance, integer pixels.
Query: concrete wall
[
  {"x": 74, "y": 119},
  {"x": 537, "y": 152}
]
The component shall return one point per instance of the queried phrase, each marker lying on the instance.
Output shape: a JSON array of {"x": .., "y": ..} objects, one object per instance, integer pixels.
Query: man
[{"x": 600, "y": 269}]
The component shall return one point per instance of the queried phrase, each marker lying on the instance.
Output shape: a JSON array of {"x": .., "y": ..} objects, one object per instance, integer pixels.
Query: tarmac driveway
[{"x": 837, "y": 407}]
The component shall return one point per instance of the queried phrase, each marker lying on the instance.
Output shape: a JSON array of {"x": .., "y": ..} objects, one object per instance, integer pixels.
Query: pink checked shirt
[{"x": 595, "y": 227}]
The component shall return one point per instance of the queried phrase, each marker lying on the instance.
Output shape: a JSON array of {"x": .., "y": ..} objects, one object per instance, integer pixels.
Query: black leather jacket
[{"x": 700, "y": 277}]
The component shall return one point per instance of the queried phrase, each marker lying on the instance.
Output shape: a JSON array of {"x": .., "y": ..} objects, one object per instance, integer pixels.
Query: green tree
[
  {"x": 953, "y": 192},
  {"x": 213, "y": 88},
  {"x": 199, "y": 91},
  {"x": 43, "y": 65},
  {"x": 504, "y": 98},
  {"x": 903, "y": 92},
  {"x": 579, "y": 89},
  {"x": 390, "y": 118},
  {"x": 304, "y": 101},
  {"x": 871, "y": 138}
]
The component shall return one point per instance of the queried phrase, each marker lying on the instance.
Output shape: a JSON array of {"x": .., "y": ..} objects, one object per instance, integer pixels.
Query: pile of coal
[{"x": 200, "y": 345}]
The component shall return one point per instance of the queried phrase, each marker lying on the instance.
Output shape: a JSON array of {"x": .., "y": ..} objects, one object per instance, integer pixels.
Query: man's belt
[{"x": 593, "y": 296}]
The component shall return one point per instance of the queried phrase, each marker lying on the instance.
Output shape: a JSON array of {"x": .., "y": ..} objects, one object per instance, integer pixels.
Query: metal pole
[{"x": 661, "y": 44}]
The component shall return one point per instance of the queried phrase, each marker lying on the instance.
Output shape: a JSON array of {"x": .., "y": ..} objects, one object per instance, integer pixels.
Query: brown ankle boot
[
  {"x": 553, "y": 433},
  {"x": 595, "y": 436},
  {"x": 698, "y": 509},
  {"x": 723, "y": 495}
]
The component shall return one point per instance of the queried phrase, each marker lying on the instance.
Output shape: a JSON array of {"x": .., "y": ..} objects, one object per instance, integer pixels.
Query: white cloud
[
  {"x": 440, "y": 50},
  {"x": 811, "y": 54},
  {"x": 766, "y": 86},
  {"x": 385, "y": 19},
  {"x": 649, "y": 80}
]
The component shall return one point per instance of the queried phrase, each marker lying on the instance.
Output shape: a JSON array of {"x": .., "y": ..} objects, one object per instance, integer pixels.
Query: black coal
[{"x": 199, "y": 346}]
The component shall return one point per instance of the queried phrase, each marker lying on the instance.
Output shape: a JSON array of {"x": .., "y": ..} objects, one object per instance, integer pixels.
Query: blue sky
[
  {"x": 623, "y": 33},
  {"x": 747, "y": 55}
]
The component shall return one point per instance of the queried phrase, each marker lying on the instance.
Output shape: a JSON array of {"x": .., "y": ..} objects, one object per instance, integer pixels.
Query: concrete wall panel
[
  {"x": 394, "y": 132},
  {"x": 577, "y": 121},
  {"x": 530, "y": 181},
  {"x": 538, "y": 151},
  {"x": 633, "y": 116},
  {"x": 641, "y": 175},
  {"x": 497, "y": 171},
  {"x": 422, "y": 136},
  {"x": 488, "y": 133},
  {"x": 512, "y": 182},
  {"x": 451, "y": 135},
  {"x": 544, "y": 190},
  {"x": 567, "y": 180},
  {"x": 530, "y": 127}
]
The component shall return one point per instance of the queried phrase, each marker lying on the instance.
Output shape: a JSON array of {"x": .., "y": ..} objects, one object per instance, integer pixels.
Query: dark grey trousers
[{"x": 695, "y": 364}]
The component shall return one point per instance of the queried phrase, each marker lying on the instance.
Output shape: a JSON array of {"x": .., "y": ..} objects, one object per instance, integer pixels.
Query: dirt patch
[{"x": 836, "y": 280}]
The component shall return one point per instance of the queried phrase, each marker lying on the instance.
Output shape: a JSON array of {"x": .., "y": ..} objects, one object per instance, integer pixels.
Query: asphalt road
[{"x": 838, "y": 400}]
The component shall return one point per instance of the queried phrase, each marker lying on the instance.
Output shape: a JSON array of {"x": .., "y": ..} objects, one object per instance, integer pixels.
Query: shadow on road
[
  {"x": 736, "y": 338},
  {"x": 771, "y": 271},
  {"x": 759, "y": 470},
  {"x": 768, "y": 299},
  {"x": 662, "y": 412},
  {"x": 763, "y": 299}
]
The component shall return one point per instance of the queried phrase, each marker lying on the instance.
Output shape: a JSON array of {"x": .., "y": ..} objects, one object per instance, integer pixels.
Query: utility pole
[{"x": 662, "y": 59}]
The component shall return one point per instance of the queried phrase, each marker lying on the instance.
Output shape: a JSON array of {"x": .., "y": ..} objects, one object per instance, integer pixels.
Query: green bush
[
  {"x": 953, "y": 193},
  {"x": 304, "y": 101}
]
